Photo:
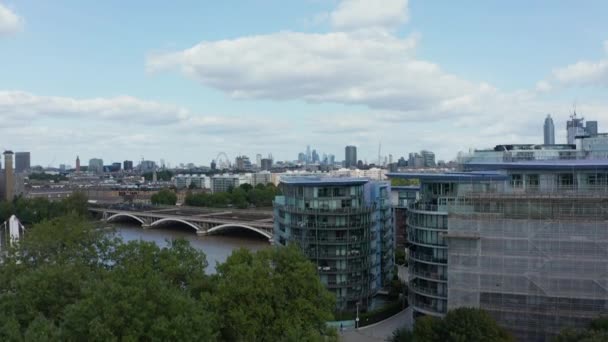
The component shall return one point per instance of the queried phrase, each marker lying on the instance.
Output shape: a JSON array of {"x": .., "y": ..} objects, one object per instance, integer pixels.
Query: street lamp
[{"x": 357, "y": 319}]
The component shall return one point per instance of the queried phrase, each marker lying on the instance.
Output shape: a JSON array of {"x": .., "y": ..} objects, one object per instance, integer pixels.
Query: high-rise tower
[
  {"x": 77, "y": 164},
  {"x": 350, "y": 156},
  {"x": 549, "y": 131},
  {"x": 575, "y": 127},
  {"x": 9, "y": 180}
]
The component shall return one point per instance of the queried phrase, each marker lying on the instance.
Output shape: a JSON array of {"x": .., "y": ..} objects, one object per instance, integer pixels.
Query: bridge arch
[
  {"x": 236, "y": 225},
  {"x": 121, "y": 215},
  {"x": 172, "y": 219}
]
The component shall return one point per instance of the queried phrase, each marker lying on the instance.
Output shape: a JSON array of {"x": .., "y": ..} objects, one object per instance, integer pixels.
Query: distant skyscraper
[
  {"x": 301, "y": 157},
  {"x": 22, "y": 161},
  {"x": 258, "y": 160},
  {"x": 350, "y": 156},
  {"x": 428, "y": 158},
  {"x": 266, "y": 164},
  {"x": 549, "y": 130},
  {"x": 9, "y": 182},
  {"x": 96, "y": 165},
  {"x": 308, "y": 154},
  {"x": 77, "y": 164},
  {"x": 331, "y": 159},
  {"x": 315, "y": 156},
  {"x": 575, "y": 127},
  {"x": 591, "y": 128},
  {"x": 127, "y": 165}
]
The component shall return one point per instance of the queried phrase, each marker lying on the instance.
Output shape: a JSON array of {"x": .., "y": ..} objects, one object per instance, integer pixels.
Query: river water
[{"x": 216, "y": 247}]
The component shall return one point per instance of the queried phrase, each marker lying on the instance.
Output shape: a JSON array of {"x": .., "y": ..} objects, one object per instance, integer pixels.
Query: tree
[
  {"x": 260, "y": 300},
  {"x": 239, "y": 198},
  {"x": 246, "y": 187},
  {"x": 164, "y": 197},
  {"x": 596, "y": 331},
  {"x": 68, "y": 280},
  {"x": 462, "y": 324},
  {"x": 400, "y": 256},
  {"x": 404, "y": 182}
]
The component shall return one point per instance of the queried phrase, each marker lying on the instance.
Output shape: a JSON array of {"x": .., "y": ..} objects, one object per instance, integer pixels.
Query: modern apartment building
[
  {"x": 525, "y": 240},
  {"x": 224, "y": 182},
  {"x": 22, "y": 162},
  {"x": 401, "y": 197},
  {"x": 345, "y": 227}
]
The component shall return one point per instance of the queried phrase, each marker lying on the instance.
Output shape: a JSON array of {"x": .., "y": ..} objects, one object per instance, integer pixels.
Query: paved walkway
[{"x": 381, "y": 330}]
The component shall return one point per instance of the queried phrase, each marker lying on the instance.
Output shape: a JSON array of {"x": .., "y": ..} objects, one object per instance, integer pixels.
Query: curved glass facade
[
  {"x": 346, "y": 229},
  {"x": 428, "y": 259}
]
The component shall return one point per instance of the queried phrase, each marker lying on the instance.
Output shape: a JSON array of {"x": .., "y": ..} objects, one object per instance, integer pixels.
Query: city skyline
[{"x": 80, "y": 85}]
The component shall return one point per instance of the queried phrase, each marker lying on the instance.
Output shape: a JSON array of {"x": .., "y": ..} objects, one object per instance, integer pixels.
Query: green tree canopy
[
  {"x": 272, "y": 295},
  {"x": 459, "y": 325},
  {"x": 596, "y": 331},
  {"x": 68, "y": 280},
  {"x": 30, "y": 211},
  {"x": 164, "y": 197}
]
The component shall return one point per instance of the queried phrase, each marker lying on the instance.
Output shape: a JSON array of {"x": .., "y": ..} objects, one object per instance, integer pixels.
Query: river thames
[{"x": 217, "y": 248}]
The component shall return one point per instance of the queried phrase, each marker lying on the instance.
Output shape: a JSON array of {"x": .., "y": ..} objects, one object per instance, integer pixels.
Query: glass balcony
[
  {"x": 427, "y": 290},
  {"x": 432, "y": 275},
  {"x": 416, "y": 256}
]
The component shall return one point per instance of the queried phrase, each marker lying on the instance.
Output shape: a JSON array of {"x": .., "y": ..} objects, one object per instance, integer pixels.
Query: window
[
  {"x": 516, "y": 181},
  {"x": 532, "y": 181},
  {"x": 565, "y": 179}
]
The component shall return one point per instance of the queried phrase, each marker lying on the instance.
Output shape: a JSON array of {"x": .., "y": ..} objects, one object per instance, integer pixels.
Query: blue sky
[{"x": 187, "y": 79}]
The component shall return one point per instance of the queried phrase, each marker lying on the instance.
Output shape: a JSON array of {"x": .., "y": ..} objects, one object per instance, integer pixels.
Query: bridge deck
[{"x": 258, "y": 219}]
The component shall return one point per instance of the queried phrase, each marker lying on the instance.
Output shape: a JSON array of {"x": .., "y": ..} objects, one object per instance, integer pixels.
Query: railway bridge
[{"x": 203, "y": 221}]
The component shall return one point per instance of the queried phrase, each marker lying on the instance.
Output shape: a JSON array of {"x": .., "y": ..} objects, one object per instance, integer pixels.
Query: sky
[{"x": 185, "y": 80}]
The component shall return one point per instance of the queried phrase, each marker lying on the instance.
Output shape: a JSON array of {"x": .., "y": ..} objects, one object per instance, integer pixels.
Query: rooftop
[
  {"x": 324, "y": 181},
  {"x": 472, "y": 176},
  {"x": 568, "y": 164}
]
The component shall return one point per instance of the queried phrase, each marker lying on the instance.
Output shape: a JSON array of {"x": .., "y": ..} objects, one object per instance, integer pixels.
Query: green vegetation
[
  {"x": 35, "y": 210},
  {"x": 400, "y": 256},
  {"x": 404, "y": 182},
  {"x": 47, "y": 177},
  {"x": 463, "y": 324},
  {"x": 162, "y": 175},
  {"x": 596, "y": 331},
  {"x": 68, "y": 281},
  {"x": 241, "y": 197},
  {"x": 164, "y": 197}
]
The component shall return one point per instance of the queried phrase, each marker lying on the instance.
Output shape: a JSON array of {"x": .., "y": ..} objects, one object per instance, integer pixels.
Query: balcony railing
[
  {"x": 347, "y": 269},
  {"x": 334, "y": 240},
  {"x": 424, "y": 207},
  {"x": 347, "y": 283},
  {"x": 427, "y": 257},
  {"x": 429, "y": 275},
  {"x": 336, "y": 211},
  {"x": 425, "y": 290},
  {"x": 429, "y": 307}
]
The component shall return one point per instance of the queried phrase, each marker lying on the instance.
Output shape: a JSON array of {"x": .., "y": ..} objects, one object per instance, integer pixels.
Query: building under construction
[{"x": 526, "y": 241}]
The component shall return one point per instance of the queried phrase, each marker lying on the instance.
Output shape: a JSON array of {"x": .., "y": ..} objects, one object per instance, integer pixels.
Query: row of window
[
  {"x": 428, "y": 221},
  {"x": 427, "y": 237},
  {"x": 562, "y": 179}
]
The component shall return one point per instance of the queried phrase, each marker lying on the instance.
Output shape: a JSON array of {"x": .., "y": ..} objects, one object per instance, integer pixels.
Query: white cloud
[
  {"x": 584, "y": 73},
  {"x": 357, "y": 14},
  {"x": 372, "y": 68},
  {"x": 9, "y": 21},
  {"x": 18, "y": 105}
]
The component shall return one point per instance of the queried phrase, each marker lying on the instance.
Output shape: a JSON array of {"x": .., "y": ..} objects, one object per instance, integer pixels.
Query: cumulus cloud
[
  {"x": 9, "y": 21},
  {"x": 584, "y": 73},
  {"x": 372, "y": 68},
  {"x": 20, "y": 105},
  {"x": 357, "y": 14}
]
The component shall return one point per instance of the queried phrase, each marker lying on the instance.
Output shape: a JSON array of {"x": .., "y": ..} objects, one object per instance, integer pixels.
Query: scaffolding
[{"x": 535, "y": 260}]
